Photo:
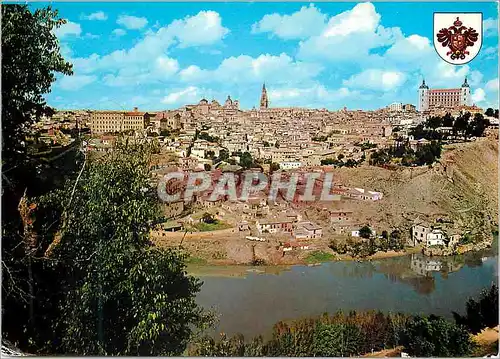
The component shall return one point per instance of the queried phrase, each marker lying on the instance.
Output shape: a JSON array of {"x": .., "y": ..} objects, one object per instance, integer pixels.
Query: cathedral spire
[{"x": 264, "y": 101}]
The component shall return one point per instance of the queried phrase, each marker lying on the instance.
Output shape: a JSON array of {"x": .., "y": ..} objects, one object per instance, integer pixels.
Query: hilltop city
[{"x": 219, "y": 137}]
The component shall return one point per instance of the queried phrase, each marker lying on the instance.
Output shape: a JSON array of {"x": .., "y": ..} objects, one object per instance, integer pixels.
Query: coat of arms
[{"x": 460, "y": 36}]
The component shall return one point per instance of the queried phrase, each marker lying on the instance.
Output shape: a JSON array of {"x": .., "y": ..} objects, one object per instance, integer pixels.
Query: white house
[
  {"x": 435, "y": 238},
  {"x": 290, "y": 165}
]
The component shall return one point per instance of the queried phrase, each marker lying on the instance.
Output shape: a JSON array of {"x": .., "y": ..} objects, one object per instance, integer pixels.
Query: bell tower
[
  {"x": 264, "y": 102},
  {"x": 423, "y": 97},
  {"x": 465, "y": 97}
]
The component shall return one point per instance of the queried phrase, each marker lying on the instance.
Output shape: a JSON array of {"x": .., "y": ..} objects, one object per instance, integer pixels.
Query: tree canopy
[
  {"x": 81, "y": 274},
  {"x": 480, "y": 313},
  {"x": 30, "y": 58}
]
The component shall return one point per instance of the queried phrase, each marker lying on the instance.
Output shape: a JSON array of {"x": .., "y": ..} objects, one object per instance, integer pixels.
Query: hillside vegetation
[{"x": 462, "y": 186}]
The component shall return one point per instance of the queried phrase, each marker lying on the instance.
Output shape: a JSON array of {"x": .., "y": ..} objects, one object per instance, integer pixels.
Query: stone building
[
  {"x": 429, "y": 99},
  {"x": 117, "y": 121}
]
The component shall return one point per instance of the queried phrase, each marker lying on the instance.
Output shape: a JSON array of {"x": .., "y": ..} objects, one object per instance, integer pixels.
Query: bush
[
  {"x": 434, "y": 336},
  {"x": 481, "y": 313}
]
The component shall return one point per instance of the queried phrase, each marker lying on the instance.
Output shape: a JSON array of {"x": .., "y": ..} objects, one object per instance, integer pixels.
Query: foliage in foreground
[
  {"x": 350, "y": 334},
  {"x": 358, "y": 333},
  {"x": 124, "y": 296},
  {"x": 435, "y": 336},
  {"x": 481, "y": 313}
]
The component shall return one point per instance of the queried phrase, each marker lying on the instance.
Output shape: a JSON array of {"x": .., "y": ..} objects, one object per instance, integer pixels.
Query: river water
[{"x": 251, "y": 304}]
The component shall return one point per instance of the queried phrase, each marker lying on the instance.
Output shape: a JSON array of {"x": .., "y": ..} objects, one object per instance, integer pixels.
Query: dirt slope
[{"x": 462, "y": 186}]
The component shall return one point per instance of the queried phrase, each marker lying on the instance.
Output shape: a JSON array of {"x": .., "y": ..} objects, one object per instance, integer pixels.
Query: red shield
[{"x": 457, "y": 41}]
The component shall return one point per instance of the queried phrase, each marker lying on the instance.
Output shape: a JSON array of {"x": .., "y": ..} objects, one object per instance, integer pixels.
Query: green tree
[
  {"x": 274, "y": 167},
  {"x": 336, "y": 340},
  {"x": 210, "y": 154},
  {"x": 395, "y": 241},
  {"x": 246, "y": 160},
  {"x": 434, "y": 336},
  {"x": 478, "y": 125},
  {"x": 27, "y": 71},
  {"x": 165, "y": 133},
  {"x": 30, "y": 60},
  {"x": 208, "y": 218},
  {"x": 124, "y": 295},
  {"x": 365, "y": 232},
  {"x": 448, "y": 120},
  {"x": 480, "y": 313},
  {"x": 223, "y": 155},
  {"x": 351, "y": 163},
  {"x": 489, "y": 112},
  {"x": 434, "y": 122},
  {"x": 461, "y": 123}
]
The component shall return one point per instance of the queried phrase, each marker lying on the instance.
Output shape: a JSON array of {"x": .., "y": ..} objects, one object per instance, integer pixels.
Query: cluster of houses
[
  {"x": 432, "y": 235},
  {"x": 292, "y": 226}
]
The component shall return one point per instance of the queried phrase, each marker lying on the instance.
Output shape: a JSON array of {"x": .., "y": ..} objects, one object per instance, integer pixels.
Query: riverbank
[
  {"x": 223, "y": 268},
  {"x": 226, "y": 268}
]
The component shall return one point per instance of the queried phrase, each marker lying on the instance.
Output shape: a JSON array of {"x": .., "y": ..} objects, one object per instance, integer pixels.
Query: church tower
[
  {"x": 423, "y": 97},
  {"x": 465, "y": 98},
  {"x": 264, "y": 102}
]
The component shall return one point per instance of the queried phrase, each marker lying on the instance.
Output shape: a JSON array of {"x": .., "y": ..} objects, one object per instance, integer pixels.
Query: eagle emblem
[{"x": 457, "y": 38}]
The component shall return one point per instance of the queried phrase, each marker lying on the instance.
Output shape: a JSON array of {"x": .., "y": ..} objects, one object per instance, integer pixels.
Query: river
[{"x": 252, "y": 303}]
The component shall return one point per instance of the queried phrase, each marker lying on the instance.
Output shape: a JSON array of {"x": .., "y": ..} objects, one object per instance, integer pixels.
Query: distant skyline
[{"x": 322, "y": 55}]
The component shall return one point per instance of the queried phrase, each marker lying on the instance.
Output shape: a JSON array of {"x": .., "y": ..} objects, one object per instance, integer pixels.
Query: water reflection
[
  {"x": 410, "y": 284},
  {"x": 420, "y": 271}
]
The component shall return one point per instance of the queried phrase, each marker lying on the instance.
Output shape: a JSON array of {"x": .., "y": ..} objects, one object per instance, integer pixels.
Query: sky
[{"x": 160, "y": 56}]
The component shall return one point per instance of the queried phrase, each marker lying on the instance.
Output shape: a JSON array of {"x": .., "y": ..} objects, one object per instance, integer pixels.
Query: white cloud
[
  {"x": 489, "y": 53},
  {"x": 492, "y": 85},
  {"x": 410, "y": 51},
  {"x": 205, "y": 28},
  {"x": 118, "y": 32},
  {"x": 448, "y": 75},
  {"x": 132, "y": 22},
  {"x": 154, "y": 72},
  {"x": 474, "y": 78},
  {"x": 88, "y": 35},
  {"x": 245, "y": 69},
  {"x": 376, "y": 79},
  {"x": 68, "y": 29},
  {"x": 315, "y": 95},
  {"x": 167, "y": 66},
  {"x": 306, "y": 22},
  {"x": 490, "y": 27},
  {"x": 478, "y": 95},
  {"x": 98, "y": 15},
  {"x": 350, "y": 35},
  {"x": 183, "y": 96},
  {"x": 362, "y": 18},
  {"x": 156, "y": 43},
  {"x": 75, "y": 82}
]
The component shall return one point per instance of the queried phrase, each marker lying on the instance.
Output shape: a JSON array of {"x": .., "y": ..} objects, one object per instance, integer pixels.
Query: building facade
[
  {"x": 429, "y": 99},
  {"x": 117, "y": 121},
  {"x": 395, "y": 106}
]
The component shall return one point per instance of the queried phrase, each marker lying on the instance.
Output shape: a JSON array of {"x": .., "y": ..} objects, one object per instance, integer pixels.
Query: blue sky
[{"x": 325, "y": 55}]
